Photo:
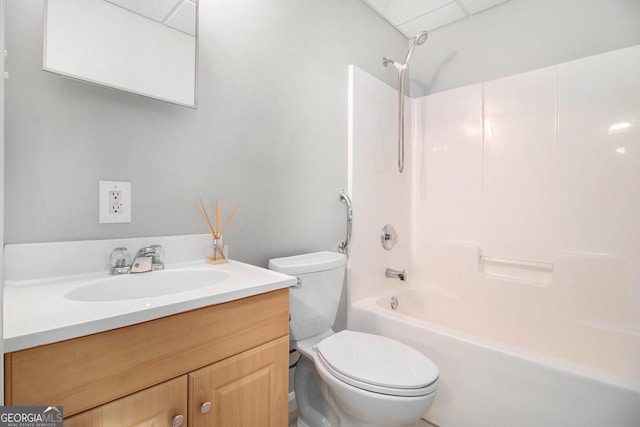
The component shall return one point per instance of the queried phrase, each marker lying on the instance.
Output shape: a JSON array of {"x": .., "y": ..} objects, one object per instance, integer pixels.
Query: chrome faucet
[
  {"x": 396, "y": 274},
  {"x": 148, "y": 258}
]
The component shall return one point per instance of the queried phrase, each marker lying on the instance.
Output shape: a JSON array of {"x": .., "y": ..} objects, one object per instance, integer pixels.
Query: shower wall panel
[
  {"x": 380, "y": 194},
  {"x": 519, "y": 164},
  {"x": 599, "y": 169},
  {"x": 448, "y": 172},
  {"x": 545, "y": 193}
]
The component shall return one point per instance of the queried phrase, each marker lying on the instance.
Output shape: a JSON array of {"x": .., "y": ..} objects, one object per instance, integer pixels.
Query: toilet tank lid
[{"x": 308, "y": 263}]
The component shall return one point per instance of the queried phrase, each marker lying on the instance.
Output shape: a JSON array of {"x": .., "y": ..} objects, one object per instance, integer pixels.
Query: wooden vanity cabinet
[
  {"x": 244, "y": 390},
  {"x": 156, "y": 406},
  {"x": 232, "y": 355}
]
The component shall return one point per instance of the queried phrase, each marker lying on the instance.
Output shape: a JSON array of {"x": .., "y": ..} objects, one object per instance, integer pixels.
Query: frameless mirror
[{"x": 148, "y": 47}]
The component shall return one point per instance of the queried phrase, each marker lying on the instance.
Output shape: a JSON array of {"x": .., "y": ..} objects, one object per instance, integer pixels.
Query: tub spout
[{"x": 396, "y": 274}]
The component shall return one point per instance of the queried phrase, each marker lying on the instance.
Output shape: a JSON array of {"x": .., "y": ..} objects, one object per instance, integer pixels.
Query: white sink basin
[{"x": 145, "y": 285}]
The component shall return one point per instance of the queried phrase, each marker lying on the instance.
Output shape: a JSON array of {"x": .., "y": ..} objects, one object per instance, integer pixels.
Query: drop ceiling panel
[
  {"x": 406, "y": 10},
  {"x": 184, "y": 18},
  {"x": 158, "y": 10},
  {"x": 177, "y": 14},
  {"x": 438, "y": 18},
  {"x": 475, "y": 6},
  {"x": 413, "y": 16}
]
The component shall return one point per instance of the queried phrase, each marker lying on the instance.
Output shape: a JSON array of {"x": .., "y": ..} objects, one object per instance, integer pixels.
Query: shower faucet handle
[{"x": 388, "y": 237}]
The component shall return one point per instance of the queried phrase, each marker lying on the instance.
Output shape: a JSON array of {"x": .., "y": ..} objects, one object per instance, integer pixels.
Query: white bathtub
[{"x": 493, "y": 373}]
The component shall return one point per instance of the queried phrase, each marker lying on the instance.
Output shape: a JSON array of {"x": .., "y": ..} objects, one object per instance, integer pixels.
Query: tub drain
[{"x": 394, "y": 303}]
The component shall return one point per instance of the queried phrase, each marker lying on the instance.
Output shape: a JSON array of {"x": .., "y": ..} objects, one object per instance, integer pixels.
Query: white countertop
[{"x": 36, "y": 311}]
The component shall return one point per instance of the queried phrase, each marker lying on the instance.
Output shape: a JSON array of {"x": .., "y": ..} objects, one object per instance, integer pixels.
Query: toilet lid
[{"x": 376, "y": 360}]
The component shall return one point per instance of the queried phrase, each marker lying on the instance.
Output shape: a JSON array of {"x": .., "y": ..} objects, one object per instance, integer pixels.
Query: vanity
[{"x": 216, "y": 355}]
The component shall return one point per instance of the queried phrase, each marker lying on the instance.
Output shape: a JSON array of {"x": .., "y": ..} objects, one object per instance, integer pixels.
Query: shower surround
[{"x": 517, "y": 222}]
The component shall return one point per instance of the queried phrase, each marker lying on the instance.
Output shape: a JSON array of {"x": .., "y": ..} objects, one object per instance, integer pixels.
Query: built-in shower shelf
[
  {"x": 525, "y": 263},
  {"x": 537, "y": 273}
]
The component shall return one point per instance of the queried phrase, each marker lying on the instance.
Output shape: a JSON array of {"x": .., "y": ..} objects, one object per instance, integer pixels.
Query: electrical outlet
[{"x": 114, "y": 201}]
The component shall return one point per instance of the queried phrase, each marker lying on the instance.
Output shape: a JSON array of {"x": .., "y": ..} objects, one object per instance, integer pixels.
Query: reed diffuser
[{"x": 217, "y": 251}]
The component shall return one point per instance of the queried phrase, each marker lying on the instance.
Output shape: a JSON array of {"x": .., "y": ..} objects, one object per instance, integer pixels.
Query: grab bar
[{"x": 343, "y": 246}]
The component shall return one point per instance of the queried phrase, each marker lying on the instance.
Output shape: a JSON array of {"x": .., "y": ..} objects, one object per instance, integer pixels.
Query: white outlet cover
[{"x": 106, "y": 217}]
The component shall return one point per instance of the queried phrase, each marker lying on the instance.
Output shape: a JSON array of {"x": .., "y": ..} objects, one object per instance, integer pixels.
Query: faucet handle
[
  {"x": 158, "y": 257},
  {"x": 159, "y": 253},
  {"x": 120, "y": 257},
  {"x": 120, "y": 261}
]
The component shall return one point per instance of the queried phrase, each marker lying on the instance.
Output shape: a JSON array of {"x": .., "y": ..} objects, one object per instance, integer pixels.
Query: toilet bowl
[
  {"x": 372, "y": 380},
  {"x": 348, "y": 378}
]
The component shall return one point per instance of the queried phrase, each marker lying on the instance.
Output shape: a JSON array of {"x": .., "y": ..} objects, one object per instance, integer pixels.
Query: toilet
[{"x": 348, "y": 378}]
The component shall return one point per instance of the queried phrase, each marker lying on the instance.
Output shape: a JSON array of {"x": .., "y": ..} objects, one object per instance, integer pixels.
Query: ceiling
[
  {"x": 412, "y": 16},
  {"x": 408, "y": 16},
  {"x": 177, "y": 14}
]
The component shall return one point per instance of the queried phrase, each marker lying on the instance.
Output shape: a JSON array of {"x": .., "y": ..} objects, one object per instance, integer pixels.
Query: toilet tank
[{"x": 314, "y": 303}]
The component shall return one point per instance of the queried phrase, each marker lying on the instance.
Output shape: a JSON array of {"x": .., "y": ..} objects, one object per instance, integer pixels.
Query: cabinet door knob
[
  {"x": 205, "y": 407},
  {"x": 177, "y": 421}
]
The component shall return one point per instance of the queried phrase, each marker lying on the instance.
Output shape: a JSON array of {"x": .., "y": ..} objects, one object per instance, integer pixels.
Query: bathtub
[{"x": 496, "y": 377}]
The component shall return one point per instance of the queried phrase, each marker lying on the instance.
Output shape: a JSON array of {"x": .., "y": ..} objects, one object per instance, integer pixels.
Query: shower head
[{"x": 420, "y": 38}]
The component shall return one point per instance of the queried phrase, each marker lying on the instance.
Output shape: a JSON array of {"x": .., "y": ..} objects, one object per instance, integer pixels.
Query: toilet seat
[{"x": 378, "y": 364}]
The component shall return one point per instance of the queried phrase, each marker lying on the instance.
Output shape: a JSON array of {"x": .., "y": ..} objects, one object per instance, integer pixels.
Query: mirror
[{"x": 148, "y": 47}]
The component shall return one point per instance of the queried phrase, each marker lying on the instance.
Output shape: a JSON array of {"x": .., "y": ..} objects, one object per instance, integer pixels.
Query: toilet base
[
  {"x": 318, "y": 408},
  {"x": 421, "y": 423}
]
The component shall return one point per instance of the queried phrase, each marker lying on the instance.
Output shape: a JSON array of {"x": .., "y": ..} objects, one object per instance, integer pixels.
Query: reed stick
[
  {"x": 217, "y": 211},
  {"x": 205, "y": 217},
  {"x": 233, "y": 212}
]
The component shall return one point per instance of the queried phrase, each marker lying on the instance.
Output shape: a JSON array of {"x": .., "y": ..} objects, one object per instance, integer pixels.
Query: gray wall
[
  {"x": 521, "y": 35},
  {"x": 270, "y": 130}
]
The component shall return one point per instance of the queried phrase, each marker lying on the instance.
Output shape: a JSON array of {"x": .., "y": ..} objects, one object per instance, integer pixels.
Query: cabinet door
[
  {"x": 157, "y": 406},
  {"x": 246, "y": 390}
]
